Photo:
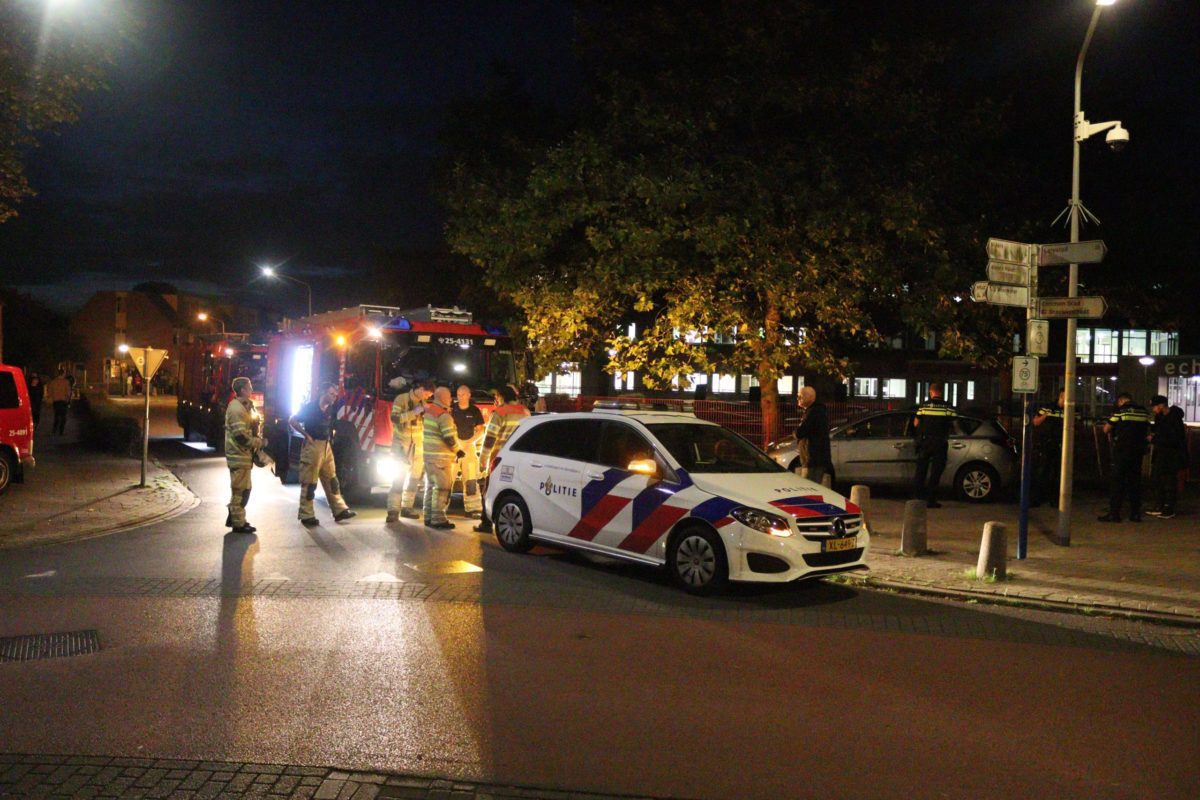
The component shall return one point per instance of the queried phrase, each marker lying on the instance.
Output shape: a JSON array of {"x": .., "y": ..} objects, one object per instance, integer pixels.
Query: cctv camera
[{"x": 1117, "y": 138}]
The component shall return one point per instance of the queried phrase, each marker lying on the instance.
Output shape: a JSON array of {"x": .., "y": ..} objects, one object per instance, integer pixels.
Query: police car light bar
[{"x": 685, "y": 407}]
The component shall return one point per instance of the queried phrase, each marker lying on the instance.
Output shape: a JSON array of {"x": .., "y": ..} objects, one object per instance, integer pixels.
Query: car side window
[
  {"x": 8, "y": 391},
  {"x": 621, "y": 443},
  {"x": 576, "y": 439},
  {"x": 966, "y": 426},
  {"x": 887, "y": 426}
]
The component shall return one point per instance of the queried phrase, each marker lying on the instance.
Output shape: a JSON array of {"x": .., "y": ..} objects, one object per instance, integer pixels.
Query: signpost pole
[
  {"x": 145, "y": 427},
  {"x": 1027, "y": 428}
]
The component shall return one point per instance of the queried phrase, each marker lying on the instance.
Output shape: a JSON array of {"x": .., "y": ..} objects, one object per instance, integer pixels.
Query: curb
[{"x": 992, "y": 598}]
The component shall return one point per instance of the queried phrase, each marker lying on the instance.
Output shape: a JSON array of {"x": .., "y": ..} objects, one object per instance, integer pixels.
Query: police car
[{"x": 668, "y": 489}]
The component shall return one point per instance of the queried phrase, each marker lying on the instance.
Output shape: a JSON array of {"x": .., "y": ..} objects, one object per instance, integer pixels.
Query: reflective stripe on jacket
[
  {"x": 240, "y": 430},
  {"x": 441, "y": 438},
  {"x": 500, "y": 427},
  {"x": 406, "y": 420}
]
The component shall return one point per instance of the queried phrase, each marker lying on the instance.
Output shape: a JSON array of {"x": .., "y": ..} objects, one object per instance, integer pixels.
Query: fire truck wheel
[{"x": 7, "y": 469}]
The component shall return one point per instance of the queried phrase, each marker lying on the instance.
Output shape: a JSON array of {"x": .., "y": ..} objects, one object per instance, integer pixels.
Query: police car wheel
[
  {"x": 696, "y": 561},
  {"x": 510, "y": 520},
  {"x": 977, "y": 482}
]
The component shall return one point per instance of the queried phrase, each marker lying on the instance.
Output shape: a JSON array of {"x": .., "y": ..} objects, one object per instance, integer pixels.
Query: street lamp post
[
  {"x": 1116, "y": 138},
  {"x": 271, "y": 272},
  {"x": 203, "y": 316}
]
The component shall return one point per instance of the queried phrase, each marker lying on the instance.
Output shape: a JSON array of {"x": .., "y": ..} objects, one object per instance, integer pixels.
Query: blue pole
[{"x": 1026, "y": 475}]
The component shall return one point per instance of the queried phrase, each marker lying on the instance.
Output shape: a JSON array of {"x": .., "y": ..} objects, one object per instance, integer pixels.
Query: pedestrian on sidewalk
[
  {"x": 469, "y": 427},
  {"x": 1169, "y": 440},
  {"x": 1128, "y": 427},
  {"x": 241, "y": 442},
  {"x": 59, "y": 392},
  {"x": 813, "y": 431},
  {"x": 314, "y": 421},
  {"x": 932, "y": 424},
  {"x": 504, "y": 420},
  {"x": 37, "y": 395},
  {"x": 441, "y": 450},
  {"x": 1048, "y": 429},
  {"x": 408, "y": 435}
]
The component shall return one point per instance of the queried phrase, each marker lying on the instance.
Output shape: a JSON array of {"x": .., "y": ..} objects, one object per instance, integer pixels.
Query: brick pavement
[{"x": 49, "y": 776}]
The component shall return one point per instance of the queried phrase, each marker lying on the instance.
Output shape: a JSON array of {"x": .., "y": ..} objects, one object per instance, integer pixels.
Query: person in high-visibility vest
[
  {"x": 441, "y": 451},
  {"x": 1129, "y": 427},
  {"x": 315, "y": 423},
  {"x": 408, "y": 434},
  {"x": 504, "y": 420},
  {"x": 932, "y": 424},
  {"x": 241, "y": 440}
]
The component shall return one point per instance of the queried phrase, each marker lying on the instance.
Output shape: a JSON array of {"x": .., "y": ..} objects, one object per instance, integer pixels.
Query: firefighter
[
  {"x": 407, "y": 436},
  {"x": 468, "y": 424},
  {"x": 441, "y": 450},
  {"x": 500, "y": 427},
  {"x": 1048, "y": 423},
  {"x": 314, "y": 421},
  {"x": 241, "y": 441},
  {"x": 932, "y": 426},
  {"x": 1129, "y": 427}
]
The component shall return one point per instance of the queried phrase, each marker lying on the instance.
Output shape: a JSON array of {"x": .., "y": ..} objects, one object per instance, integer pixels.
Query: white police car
[{"x": 666, "y": 488}]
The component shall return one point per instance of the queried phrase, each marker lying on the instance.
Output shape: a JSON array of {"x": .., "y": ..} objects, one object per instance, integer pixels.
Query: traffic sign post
[
  {"x": 147, "y": 360},
  {"x": 1025, "y": 375},
  {"x": 1071, "y": 307},
  {"x": 1000, "y": 294},
  {"x": 1066, "y": 253},
  {"x": 1037, "y": 337},
  {"x": 1004, "y": 272}
]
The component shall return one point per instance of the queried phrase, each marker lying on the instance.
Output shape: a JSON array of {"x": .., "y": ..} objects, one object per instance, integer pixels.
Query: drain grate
[{"x": 48, "y": 645}]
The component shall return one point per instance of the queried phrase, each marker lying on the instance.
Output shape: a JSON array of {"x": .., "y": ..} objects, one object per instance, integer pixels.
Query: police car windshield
[{"x": 711, "y": 448}]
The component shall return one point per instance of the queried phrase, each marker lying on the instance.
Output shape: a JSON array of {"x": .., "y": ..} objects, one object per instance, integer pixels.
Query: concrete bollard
[
  {"x": 827, "y": 481},
  {"x": 860, "y": 495},
  {"x": 912, "y": 535},
  {"x": 993, "y": 551}
]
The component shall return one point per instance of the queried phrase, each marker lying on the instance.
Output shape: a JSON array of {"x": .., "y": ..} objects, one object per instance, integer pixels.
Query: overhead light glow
[
  {"x": 1145, "y": 361},
  {"x": 460, "y": 367},
  {"x": 341, "y": 340},
  {"x": 268, "y": 271},
  {"x": 229, "y": 352},
  {"x": 124, "y": 348}
]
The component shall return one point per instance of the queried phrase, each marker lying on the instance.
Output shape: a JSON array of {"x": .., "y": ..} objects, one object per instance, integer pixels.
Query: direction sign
[
  {"x": 1025, "y": 374},
  {"x": 1071, "y": 307},
  {"x": 1004, "y": 272},
  {"x": 1090, "y": 252},
  {"x": 1037, "y": 337},
  {"x": 1012, "y": 252},
  {"x": 999, "y": 294}
]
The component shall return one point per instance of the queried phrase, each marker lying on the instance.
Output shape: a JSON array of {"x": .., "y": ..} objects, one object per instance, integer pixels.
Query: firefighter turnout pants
[
  {"x": 439, "y": 477},
  {"x": 411, "y": 462},
  {"x": 316, "y": 463},
  {"x": 239, "y": 488},
  {"x": 467, "y": 468}
]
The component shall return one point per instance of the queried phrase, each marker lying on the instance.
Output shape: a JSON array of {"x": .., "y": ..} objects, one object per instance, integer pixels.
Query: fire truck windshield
[
  {"x": 252, "y": 366},
  {"x": 480, "y": 367}
]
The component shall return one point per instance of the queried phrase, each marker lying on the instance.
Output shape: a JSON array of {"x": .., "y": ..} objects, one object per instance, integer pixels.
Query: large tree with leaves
[{"x": 759, "y": 184}]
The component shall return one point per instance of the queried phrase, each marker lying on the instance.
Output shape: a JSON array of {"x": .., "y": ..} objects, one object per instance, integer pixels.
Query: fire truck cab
[
  {"x": 372, "y": 353},
  {"x": 208, "y": 366}
]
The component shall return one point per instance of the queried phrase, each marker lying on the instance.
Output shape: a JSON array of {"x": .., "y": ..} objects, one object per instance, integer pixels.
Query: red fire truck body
[
  {"x": 208, "y": 366},
  {"x": 372, "y": 353}
]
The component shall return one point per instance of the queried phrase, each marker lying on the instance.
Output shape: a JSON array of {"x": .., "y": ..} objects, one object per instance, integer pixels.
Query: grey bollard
[
  {"x": 827, "y": 481},
  {"x": 912, "y": 535},
  {"x": 860, "y": 495},
  {"x": 993, "y": 551}
]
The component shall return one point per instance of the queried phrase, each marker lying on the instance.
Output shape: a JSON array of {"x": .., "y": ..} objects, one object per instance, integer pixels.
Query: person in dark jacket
[
  {"x": 37, "y": 393},
  {"x": 814, "y": 429},
  {"x": 1048, "y": 432},
  {"x": 1169, "y": 438},
  {"x": 1129, "y": 427}
]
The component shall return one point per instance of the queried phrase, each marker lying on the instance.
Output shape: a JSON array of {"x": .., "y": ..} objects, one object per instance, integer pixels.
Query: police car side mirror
[{"x": 644, "y": 466}]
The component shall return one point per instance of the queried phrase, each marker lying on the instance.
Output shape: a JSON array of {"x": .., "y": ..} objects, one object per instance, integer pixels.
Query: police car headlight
[
  {"x": 386, "y": 469},
  {"x": 762, "y": 521}
]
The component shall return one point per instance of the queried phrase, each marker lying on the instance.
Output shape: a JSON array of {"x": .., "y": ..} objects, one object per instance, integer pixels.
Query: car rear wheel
[
  {"x": 977, "y": 483},
  {"x": 7, "y": 468},
  {"x": 696, "y": 560},
  {"x": 512, "y": 524}
]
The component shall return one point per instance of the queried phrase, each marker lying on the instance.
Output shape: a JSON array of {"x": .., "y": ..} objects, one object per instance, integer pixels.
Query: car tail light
[{"x": 495, "y": 463}]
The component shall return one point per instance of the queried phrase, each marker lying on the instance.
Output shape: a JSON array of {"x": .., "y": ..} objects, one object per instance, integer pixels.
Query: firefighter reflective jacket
[
  {"x": 501, "y": 426},
  {"x": 241, "y": 433},
  {"x": 441, "y": 437},
  {"x": 406, "y": 420}
]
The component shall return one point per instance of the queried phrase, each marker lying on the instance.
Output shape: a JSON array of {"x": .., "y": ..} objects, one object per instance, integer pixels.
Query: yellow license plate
[{"x": 849, "y": 543}]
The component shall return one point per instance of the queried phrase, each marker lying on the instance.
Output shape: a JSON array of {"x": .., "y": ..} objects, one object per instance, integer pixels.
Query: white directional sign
[
  {"x": 999, "y": 294},
  {"x": 1091, "y": 252},
  {"x": 1037, "y": 337},
  {"x": 147, "y": 360},
  {"x": 1071, "y": 307},
  {"x": 1025, "y": 374},
  {"x": 1004, "y": 272},
  {"x": 1012, "y": 252}
]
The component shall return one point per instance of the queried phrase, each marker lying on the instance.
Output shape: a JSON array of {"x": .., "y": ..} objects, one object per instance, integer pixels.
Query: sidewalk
[
  {"x": 1148, "y": 570},
  {"x": 77, "y": 493}
]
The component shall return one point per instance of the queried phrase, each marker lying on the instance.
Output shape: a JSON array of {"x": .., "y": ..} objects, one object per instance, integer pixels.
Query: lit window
[
  {"x": 895, "y": 388},
  {"x": 1083, "y": 345},
  {"x": 1105, "y": 347},
  {"x": 866, "y": 387},
  {"x": 970, "y": 390},
  {"x": 1134, "y": 343},
  {"x": 724, "y": 384},
  {"x": 784, "y": 385}
]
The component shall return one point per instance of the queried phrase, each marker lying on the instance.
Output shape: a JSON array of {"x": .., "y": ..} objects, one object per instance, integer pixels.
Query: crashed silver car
[{"x": 879, "y": 450}]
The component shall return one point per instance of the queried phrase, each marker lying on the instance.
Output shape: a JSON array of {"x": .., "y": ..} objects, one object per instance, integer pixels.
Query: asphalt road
[{"x": 400, "y": 648}]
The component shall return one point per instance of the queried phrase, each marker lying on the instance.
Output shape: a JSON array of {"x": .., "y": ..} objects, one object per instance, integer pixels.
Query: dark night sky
[{"x": 240, "y": 132}]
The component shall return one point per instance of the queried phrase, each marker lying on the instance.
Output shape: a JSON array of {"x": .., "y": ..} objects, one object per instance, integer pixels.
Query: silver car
[{"x": 879, "y": 450}]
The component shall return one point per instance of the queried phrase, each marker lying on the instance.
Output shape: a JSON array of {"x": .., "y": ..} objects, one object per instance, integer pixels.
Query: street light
[
  {"x": 1117, "y": 138},
  {"x": 271, "y": 272},
  {"x": 203, "y": 317}
]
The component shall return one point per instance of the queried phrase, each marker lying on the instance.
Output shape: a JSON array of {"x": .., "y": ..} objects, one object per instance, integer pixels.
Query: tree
[
  {"x": 35, "y": 336},
  {"x": 43, "y": 71},
  {"x": 759, "y": 183}
]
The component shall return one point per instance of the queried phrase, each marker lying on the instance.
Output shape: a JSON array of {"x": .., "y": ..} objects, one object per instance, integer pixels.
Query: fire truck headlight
[
  {"x": 460, "y": 367},
  {"x": 386, "y": 469}
]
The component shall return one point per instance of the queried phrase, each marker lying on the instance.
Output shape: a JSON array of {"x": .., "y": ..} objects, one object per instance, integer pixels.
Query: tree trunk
[{"x": 768, "y": 383}]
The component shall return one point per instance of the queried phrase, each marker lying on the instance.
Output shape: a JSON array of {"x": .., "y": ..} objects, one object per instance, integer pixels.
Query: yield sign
[{"x": 147, "y": 360}]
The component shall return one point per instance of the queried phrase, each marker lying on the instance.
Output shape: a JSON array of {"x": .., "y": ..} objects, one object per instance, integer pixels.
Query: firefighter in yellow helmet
[
  {"x": 408, "y": 434},
  {"x": 241, "y": 440},
  {"x": 441, "y": 450}
]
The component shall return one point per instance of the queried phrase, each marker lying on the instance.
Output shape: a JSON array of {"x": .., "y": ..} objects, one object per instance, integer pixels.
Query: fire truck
[
  {"x": 372, "y": 353},
  {"x": 207, "y": 368}
]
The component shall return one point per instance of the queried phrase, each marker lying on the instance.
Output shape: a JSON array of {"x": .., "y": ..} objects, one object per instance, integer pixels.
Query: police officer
[
  {"x": 241, "y": 440},
  {"x": 1128, "y": 426},
  {"x": 1170, "y": 455},
  {"x": 314, "y": 421},
  {"x": 932, "y": 427},
  {"x": 441, "y": 449},
  {"x": 507, "y": 414},
  {"x": 408, "y": 433},
  {"x": 1048, "y": 424},
  {"x": 468, "y": 424}
]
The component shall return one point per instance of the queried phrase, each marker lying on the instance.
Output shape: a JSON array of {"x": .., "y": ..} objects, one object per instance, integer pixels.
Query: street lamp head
[
  {"x": 1105, "y": 2},
  {"x": 1117, "y": 138},
  {"x": 268, "y": 271},
  {"x": 202, "y": 316},
  {"x": 1145, "y": 361},
  {"x": 123, "y": 348}
]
